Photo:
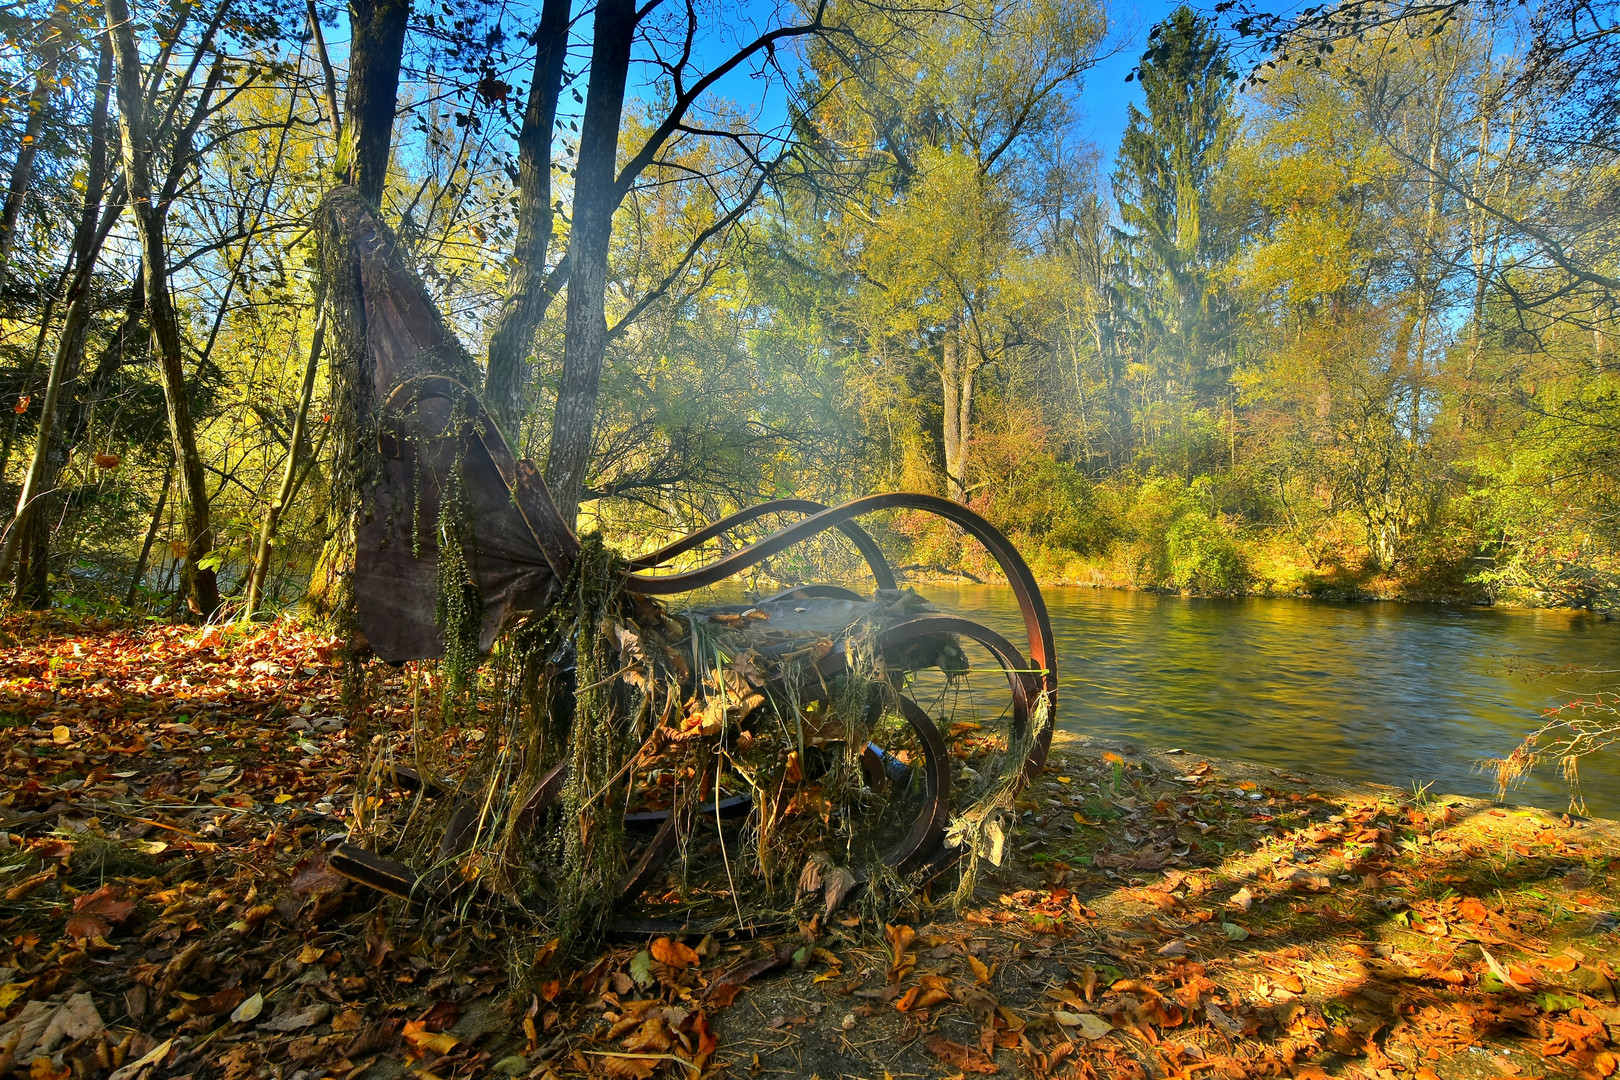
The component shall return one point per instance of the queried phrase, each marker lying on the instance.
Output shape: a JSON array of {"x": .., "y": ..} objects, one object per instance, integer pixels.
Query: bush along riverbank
[
  {"x": 1209, "y": 538},
  {"x": 169, "y": 912}
]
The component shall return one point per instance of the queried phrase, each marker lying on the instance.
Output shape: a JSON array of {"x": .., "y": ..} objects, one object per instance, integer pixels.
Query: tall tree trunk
[
  {"x": 527, "y": 297},
  {"x": 151, "y": 536},
  {"x": 289, "y": 476},
  {"x": 595, "y": 198},
  {"x": 201, "y": 586},
  {"x": 328, "y": 75},
  {"x": 376, "y": 46},
  {"x": 30, "y": 528},
  {"x": 22, "y": 172},
  {"x": 956, "y": 379}
]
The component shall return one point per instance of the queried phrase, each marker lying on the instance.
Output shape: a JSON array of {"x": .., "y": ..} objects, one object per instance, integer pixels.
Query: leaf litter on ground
[{"x": 169, "y": 791}]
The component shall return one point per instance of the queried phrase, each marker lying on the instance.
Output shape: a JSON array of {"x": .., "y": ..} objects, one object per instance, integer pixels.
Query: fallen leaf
[
  {"x": 248, "y": 1010},
  {"x": 424, "y": 1042},
  {"x": 672, "y": 953},
  {"x": 1503, "y": 974},
  {"x": 641, "y": 969},
  {"x": 42, "y": 1069},
  {"x": 723, "y": 991},
  {"x": 961, "y": 1057},
  {"x": 651, "y": 1036},
  {"x": 298, "y": 1021},
  {"x": 1088, "y": 1024},
  {"x": 151, "y": 1057},
  {"x": 628, "y": 1068},
  {"x": 75, "y": 1019},
  {"x": 900, "y": 939}
]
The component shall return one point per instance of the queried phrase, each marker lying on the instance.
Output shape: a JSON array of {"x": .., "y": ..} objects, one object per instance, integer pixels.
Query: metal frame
[{"x": 1032, "y": 681}]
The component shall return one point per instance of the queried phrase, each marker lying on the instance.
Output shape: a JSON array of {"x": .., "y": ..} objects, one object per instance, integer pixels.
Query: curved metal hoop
[
  {"x": 1031, "y": 605},
  {"x": 881, "y": 573}
]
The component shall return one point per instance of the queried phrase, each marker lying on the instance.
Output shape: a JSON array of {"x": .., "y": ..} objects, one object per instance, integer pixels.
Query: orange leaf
[
  {"x": 424, "y": 1042},
  {"x": 672, "y": 953},
  {"x": 965, "y": 1058},
  {"x": 649, "y": 1038},
  {"x": 1564, "y": 964},
  {"x": 629, "y": 1068}
]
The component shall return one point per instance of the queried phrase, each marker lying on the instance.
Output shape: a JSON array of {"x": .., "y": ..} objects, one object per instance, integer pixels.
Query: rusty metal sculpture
[{"x": 434, "y": 441}]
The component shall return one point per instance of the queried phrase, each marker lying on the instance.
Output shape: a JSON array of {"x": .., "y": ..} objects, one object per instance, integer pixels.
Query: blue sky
[
  {"x": 1105, "y": 95},
  {"x": 1101, "y": 105}
]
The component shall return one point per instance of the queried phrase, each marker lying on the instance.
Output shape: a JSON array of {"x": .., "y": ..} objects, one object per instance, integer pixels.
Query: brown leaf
[
  {"x": 440, "y": 1016},
  {"x": 312, "y": 876},
  {"x": 723, "y": 991},
  {"x": 961, "y": 1057},
  {"x": 629, "y": 1068},
  {"x": 649, "y": 1037},
  {"x": 30, "y": 884},
  {"x": 96, "y": 913},
  {"x": 900, "y": 939}
]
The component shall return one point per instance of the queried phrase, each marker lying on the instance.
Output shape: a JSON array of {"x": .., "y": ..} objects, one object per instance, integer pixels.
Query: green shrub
[{"x": 1203, "y": 554}]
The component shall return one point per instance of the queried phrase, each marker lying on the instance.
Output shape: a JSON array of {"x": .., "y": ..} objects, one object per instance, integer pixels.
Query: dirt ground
[{"x": 168, "y": 912}]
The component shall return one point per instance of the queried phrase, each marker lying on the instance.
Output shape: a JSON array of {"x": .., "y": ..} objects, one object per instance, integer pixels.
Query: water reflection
[{"x": 1397, "y": 693}]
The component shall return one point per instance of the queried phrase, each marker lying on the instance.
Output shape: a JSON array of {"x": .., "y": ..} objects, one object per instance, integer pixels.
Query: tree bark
[
  {"x": 201, "y": 586},
  {"x": 956, "y": 379},
  {"x": 29, "y": 533},
  {"x": 22, "y": 172},
  {"x": 328, "y": 76},
  {"x": 595, "y": 199},
  {"x": 273, "y": 512},
  {"x": 151, "y": 536},
  {"x": 376, "y": 47},
  {"x": 527, "y": 298}
]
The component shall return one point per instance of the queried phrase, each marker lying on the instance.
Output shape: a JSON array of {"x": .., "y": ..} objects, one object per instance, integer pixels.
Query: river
[{"x": 1402, "y": 694}]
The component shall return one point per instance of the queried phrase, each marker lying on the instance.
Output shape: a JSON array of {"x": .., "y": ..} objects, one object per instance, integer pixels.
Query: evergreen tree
[{"x": 1165, "y": 183}]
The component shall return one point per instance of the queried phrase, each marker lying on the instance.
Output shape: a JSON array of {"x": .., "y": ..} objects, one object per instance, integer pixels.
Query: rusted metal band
[
  {"x": 881, "y": 572},
  {"x": 1031, "y": 605}
]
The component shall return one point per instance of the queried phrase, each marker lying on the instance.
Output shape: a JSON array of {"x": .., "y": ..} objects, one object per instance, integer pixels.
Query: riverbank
[
  {"x": 1369, "y": 588},
  {"x": 168, "y": 793}
]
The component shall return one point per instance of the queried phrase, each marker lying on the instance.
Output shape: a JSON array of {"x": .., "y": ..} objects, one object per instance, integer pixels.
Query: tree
[
  {"x": 149, "y": 205},
  {"x": 937, "y": 132},
  {"x": 529, "y": 289},
  {"x": 1166, "y": 185}
]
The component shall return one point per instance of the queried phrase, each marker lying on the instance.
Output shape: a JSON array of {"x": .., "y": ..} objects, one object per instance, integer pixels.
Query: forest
[{"x": 1337, "y": 318}]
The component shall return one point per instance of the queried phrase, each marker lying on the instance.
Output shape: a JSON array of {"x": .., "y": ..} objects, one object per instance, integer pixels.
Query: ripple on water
[{"x": 1401, "y": 694}]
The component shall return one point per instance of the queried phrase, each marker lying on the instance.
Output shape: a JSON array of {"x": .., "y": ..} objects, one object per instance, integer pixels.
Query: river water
[{"x": 1402, "y": 694}]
